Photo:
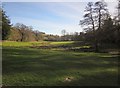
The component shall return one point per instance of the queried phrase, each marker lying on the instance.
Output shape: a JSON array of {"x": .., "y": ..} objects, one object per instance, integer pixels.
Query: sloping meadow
[{"x": 28, "y": 66}]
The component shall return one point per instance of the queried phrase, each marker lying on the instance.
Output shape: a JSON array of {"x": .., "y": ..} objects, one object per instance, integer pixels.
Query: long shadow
[
  {"x": 18, "y": 60},
  {"x": 68, "y": 61}
]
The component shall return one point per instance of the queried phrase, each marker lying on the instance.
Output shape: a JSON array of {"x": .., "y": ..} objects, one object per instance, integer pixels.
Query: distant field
[
  {"x": 12, "y": 43},
  {"x": 63, "y": 42},
  {"x": 19, "y": 44},
  {"x": 43, "y": 43},
  {"x": 25, "y": 66}
]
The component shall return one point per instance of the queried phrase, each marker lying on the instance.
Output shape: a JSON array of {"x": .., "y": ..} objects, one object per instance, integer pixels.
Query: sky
[{"x": 49, "y": 17}]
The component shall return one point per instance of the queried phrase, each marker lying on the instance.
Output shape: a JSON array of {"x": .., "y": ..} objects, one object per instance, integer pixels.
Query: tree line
[
  {"x": 100, "y": 27},
  {"x": 23, "y": 33}
]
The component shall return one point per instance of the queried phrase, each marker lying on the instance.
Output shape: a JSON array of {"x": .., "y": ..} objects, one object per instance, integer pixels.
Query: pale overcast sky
[{"x": 50, "y": 17}]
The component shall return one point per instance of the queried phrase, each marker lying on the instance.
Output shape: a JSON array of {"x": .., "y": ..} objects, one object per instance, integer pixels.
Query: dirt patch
[{"x": 68, "y": 79}]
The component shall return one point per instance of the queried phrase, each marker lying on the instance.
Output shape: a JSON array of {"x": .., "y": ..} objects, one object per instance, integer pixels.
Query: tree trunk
[
  {"x": 96, "y": 42},
  {"x": 96, "y": 46}
]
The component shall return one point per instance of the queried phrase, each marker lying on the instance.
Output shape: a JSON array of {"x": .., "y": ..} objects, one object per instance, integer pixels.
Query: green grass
[
  {"x": 22, "y": 44},
  {"x": 62, "y": 43},
  {"x": 24, "y": 66},
  {"x": 19, "y": 44}
]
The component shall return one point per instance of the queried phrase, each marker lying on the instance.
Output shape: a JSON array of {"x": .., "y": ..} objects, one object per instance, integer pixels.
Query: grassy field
[{"x": 24, "y": 65}]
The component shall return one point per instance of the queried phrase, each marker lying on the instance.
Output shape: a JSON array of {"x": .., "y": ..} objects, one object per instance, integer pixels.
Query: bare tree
[
  {"x": 101, "y": 11},
  {"x": 88, "y": 17},
  {"x": 23, "y": 30},
  {"x": 93, "y": 19},
  {"x": 63, "y": 32},
  {"x": 36, "y": 32},
  {"x": 89, "y": 21}
]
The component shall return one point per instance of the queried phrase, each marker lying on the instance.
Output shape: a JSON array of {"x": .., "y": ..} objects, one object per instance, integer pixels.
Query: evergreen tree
[{"x": 5, "y": 25}]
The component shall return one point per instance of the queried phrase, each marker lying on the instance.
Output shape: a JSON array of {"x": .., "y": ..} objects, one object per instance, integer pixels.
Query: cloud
[
  {"x": 70, "y": 10},
  {"x": 112, "y": 7},
  {"x": 73, "y": 10}
]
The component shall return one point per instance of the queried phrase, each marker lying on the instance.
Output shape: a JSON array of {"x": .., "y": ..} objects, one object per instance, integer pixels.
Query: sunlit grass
[
  {"x": 62, "y": 43},
  {"x": 0, "y": 43},
  {"x": 40, "y": 43},
  {"x": 22, "y": 44}
]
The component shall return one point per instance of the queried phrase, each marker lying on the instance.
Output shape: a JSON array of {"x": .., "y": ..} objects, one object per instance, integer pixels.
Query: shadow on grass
[{"x": 55, "y": 64}]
